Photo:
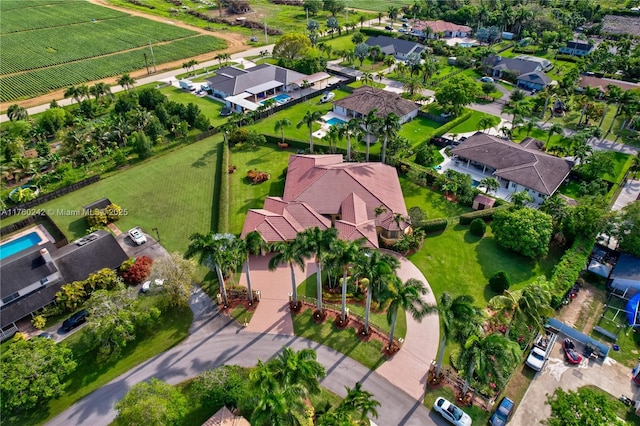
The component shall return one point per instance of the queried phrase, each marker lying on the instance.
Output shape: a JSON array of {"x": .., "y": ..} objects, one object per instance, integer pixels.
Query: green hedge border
[
  {"x": 223, "y": 204},
  {"x": 486, "y": 215}
]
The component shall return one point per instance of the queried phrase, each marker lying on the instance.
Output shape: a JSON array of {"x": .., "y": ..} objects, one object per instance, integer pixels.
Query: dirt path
[
  {"x": 235, "y": 43},
  {"x": 585, "y": 309}
]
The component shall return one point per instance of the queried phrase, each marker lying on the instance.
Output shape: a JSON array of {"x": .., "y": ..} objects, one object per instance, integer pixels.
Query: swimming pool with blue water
[
  {"x": 16, "y": 246},
  {"x": 333, "y": 121}
]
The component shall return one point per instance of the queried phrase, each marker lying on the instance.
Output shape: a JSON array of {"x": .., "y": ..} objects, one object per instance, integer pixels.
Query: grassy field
[
  {"x": 344, "y": 341},
  {"x": 245, "y": 195},
  {"x": 471, "y": 124},
  {"x": 208, "y": 106},
  {"x": 432, "y": 202},
  {"x": 175, "y": 193},
  {"x": 458, "y": 262},
  {"x": 53, "y": 44},
  {"x": 418, "y": 130},
  {"x": 90, "y": 375}
]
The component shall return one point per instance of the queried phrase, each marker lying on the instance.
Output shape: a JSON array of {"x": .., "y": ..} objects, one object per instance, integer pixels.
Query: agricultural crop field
[{"x": 52, "y": 44}]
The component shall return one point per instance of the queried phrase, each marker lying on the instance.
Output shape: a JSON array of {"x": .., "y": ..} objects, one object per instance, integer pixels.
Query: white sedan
[
  {"x": 536, "y": 358},
  {"x": 137, "y": 236},
  {"x": 155, "y": 285},
  {"x": 451, "y": 412}
]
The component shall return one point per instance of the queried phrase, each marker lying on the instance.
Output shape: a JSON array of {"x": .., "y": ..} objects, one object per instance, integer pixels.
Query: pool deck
[{"x": 38, "y": 229}]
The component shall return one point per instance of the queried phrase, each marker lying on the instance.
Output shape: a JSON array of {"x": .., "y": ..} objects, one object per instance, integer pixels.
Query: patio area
[
  {"x": 329, "y": 120},
  {"x": 476, "y": 174}
]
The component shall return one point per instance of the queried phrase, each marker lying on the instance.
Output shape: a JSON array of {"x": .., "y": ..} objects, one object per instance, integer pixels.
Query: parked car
[
  {"x": 487, "y": 80},
  {"x": 451, "y": 412},
  {"x": 137, "y": 236},
  {"x": 404, "y": 20},
  {"x": 327, "y": 97},
  {"x": 388, "y": 27},
  {"x": 503, "y": 412},
  {"x": 45, "y": 335},
  {"x": 536, "y": 359},
  {"x": 75, "y": 320},
  {"x": 151, "y": 286},
  {"x": 404, "y": 25},
  {"x": 403, "y": 30}
]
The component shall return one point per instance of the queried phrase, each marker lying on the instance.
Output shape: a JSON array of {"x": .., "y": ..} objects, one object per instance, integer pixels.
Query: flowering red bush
[{"x": 138, "y": 272}]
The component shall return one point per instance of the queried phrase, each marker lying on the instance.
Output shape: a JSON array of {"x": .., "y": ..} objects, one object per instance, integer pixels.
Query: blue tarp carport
[
  {"x": 579, "y": 336},
  {"x": 632, "y": 310}
]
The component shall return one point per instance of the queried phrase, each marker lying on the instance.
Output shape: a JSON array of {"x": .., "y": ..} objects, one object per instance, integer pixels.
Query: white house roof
[
  {"x": 241, "y": 100},
  {"x": 272, "y": 84}
]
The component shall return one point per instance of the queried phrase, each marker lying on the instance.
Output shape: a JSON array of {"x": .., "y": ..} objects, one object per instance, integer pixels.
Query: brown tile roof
[
  {"x": 533, "y": 169},
  {"x": 484, "y": 199},
  {"x": 321, "y": 185},
  {"x": 440, "y": 26},
  {"x": 224, "y": 417},
  {"x": 364, "y": 99},
  {"x": 602, "y": 83}
]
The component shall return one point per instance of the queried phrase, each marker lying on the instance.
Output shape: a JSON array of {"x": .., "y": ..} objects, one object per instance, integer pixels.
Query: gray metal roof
[
  {"x": 390, "y": 45},
  {"x": 627, "y": 268},
  {"x": 537, "y": 77},
  {"x": 233, "y": 80}
]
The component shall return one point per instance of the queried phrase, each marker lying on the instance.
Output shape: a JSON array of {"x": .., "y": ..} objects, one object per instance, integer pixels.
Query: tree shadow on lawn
[
  {"x": 78, "y": 228},
  {"x": 203, "y": 160},
  {"x": 493, "y": 258}
]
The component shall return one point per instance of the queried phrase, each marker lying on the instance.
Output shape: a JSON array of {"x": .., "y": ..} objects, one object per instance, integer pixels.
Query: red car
[{"x": 570, "y": 353}]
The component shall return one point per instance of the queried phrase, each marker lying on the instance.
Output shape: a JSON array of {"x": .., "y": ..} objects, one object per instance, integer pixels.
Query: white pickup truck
[{"x": 539, "y": 354}]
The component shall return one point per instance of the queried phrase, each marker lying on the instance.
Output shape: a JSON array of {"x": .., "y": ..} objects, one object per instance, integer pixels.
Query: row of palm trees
[{"x": 373, "y": 270}]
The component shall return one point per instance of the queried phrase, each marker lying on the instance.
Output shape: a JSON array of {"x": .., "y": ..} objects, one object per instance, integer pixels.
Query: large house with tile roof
[
  {"x": 361, "y": 200},
  {"x": 32, "y": 277},
  {"x": 400, "y": 49},
  {"x": 518, "y": 167},
  {"x": 365, "y": 99},
  {"x": 439, "y": 27}
]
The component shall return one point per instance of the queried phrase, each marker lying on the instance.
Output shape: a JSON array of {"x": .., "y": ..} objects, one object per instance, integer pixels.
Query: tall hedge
[
  {"x": 486, "y": 215},
  {"x": 223, "y": 204},
  {"x": 574, "y": 260},
  {"x": 434, "y": 225}
]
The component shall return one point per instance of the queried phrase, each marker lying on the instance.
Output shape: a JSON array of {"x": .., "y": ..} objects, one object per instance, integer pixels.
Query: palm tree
[
  {"x": 367, "y": 79},
  {"x": 454, "y": 314},
  {"x": 519, "y": 199},
  {"x": 333, "y": 136},
  {"x": 429, "y": 67},
  {"x": 299, "y": 368},
  {"x": 309, "y": 118},
  {"x": 126, "y": 81},
  {"x": 389, "y": 127},
  {"x": 371, "y": 123},
  {"x": 359, "y": 402},
  {"x": 213, "y": 250},
  {"x": 412, "y": 86},
  {"x": 318, "y": 242},
  {"x": 345, "y": 254},
  {"x": 291, "y": 253},
  {"x": 280, "y": 125},
  {"x": 73, "y": 93},
  {"x": 528, "y": 305},
  {"x": 389, "y": 61},
  {"x": 253, "y": 244},
  {"x": 408, "y": 296},
  {"x": 16, "y": 112},
  {"x": 392, "y": 12},
  {"x": 588, "y": 95},
  {"x": 491, "y": 357},
  {"x": 530, "y": 125},
  {"x": 556, "y": 129},
  {"x": 484, "y": 123},
  {"x": 374, "y": 269},
  {"x": 275, "y": 404},
  {"x": 490, "y": 183},
  {"x": 352, "y": 128}
]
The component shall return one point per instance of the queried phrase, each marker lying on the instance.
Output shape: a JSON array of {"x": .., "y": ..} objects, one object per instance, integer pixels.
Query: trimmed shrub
[
  {"x": 478, "y": 227},
  {"x": 39, "y": 322},
  {"x": 486, "y": 215},
  {"x": 499, "y": 282},
  {"x": 138, "y": 272},
  {"x": 434, "y": 225},
  {"x": 96, "y": 218},
  {"x": 113, "y": 212}
]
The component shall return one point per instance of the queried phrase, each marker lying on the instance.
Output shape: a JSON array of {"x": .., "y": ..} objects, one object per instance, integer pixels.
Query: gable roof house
[
  {"x": 365, "y": 99},
  {"x": 495, "y": 65},
  {"x": 518, "y": 167},
  {"x": 447, "y": 29},
  {"x": 400, "y": 49},
  {"x": 242, "y": 89},
  {"x": 533, "y": 80},
  {"x": 32, "y": 277},
  {"x": 575, "y": 48},
  {"x": 361, "y": 200},
  {"x": 603, "y": 83}
]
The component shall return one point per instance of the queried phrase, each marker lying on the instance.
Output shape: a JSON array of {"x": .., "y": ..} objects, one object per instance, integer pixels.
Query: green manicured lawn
[
  {"x": 459, "y": 263},
  {"x": 208, "y": 106},
  {"x": 90, "y": 375},
  {"x": 241, "y": 315},
  {"x": 377, "y": 317},
  {"x": 418, "y": 130},
  {"x": 344, "y": 341},
  {"x": 432, "y": 202},
  {"x": 621, "y": 163},
  {"x": 174, "y": 192},
  {"x": 471, "y": 124},
  {"x": 520, "y": 134},
  {"x": 245, "y": 195}
]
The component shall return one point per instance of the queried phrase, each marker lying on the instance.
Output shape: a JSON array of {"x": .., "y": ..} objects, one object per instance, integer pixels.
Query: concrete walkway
[
  {"x": 217, "y": 340},
  {"x": 272, "y": 313},
  {"x": 409, "y": 367},
  {"x": 629, "y": 194}
]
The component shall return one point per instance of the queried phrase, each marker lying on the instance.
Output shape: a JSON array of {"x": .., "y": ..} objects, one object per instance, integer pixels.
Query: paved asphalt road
[{"x": 216, "y": 340}]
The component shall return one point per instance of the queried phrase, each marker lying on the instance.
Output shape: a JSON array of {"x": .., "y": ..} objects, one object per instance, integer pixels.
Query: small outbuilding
[{"x": 483, "y": 202}]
